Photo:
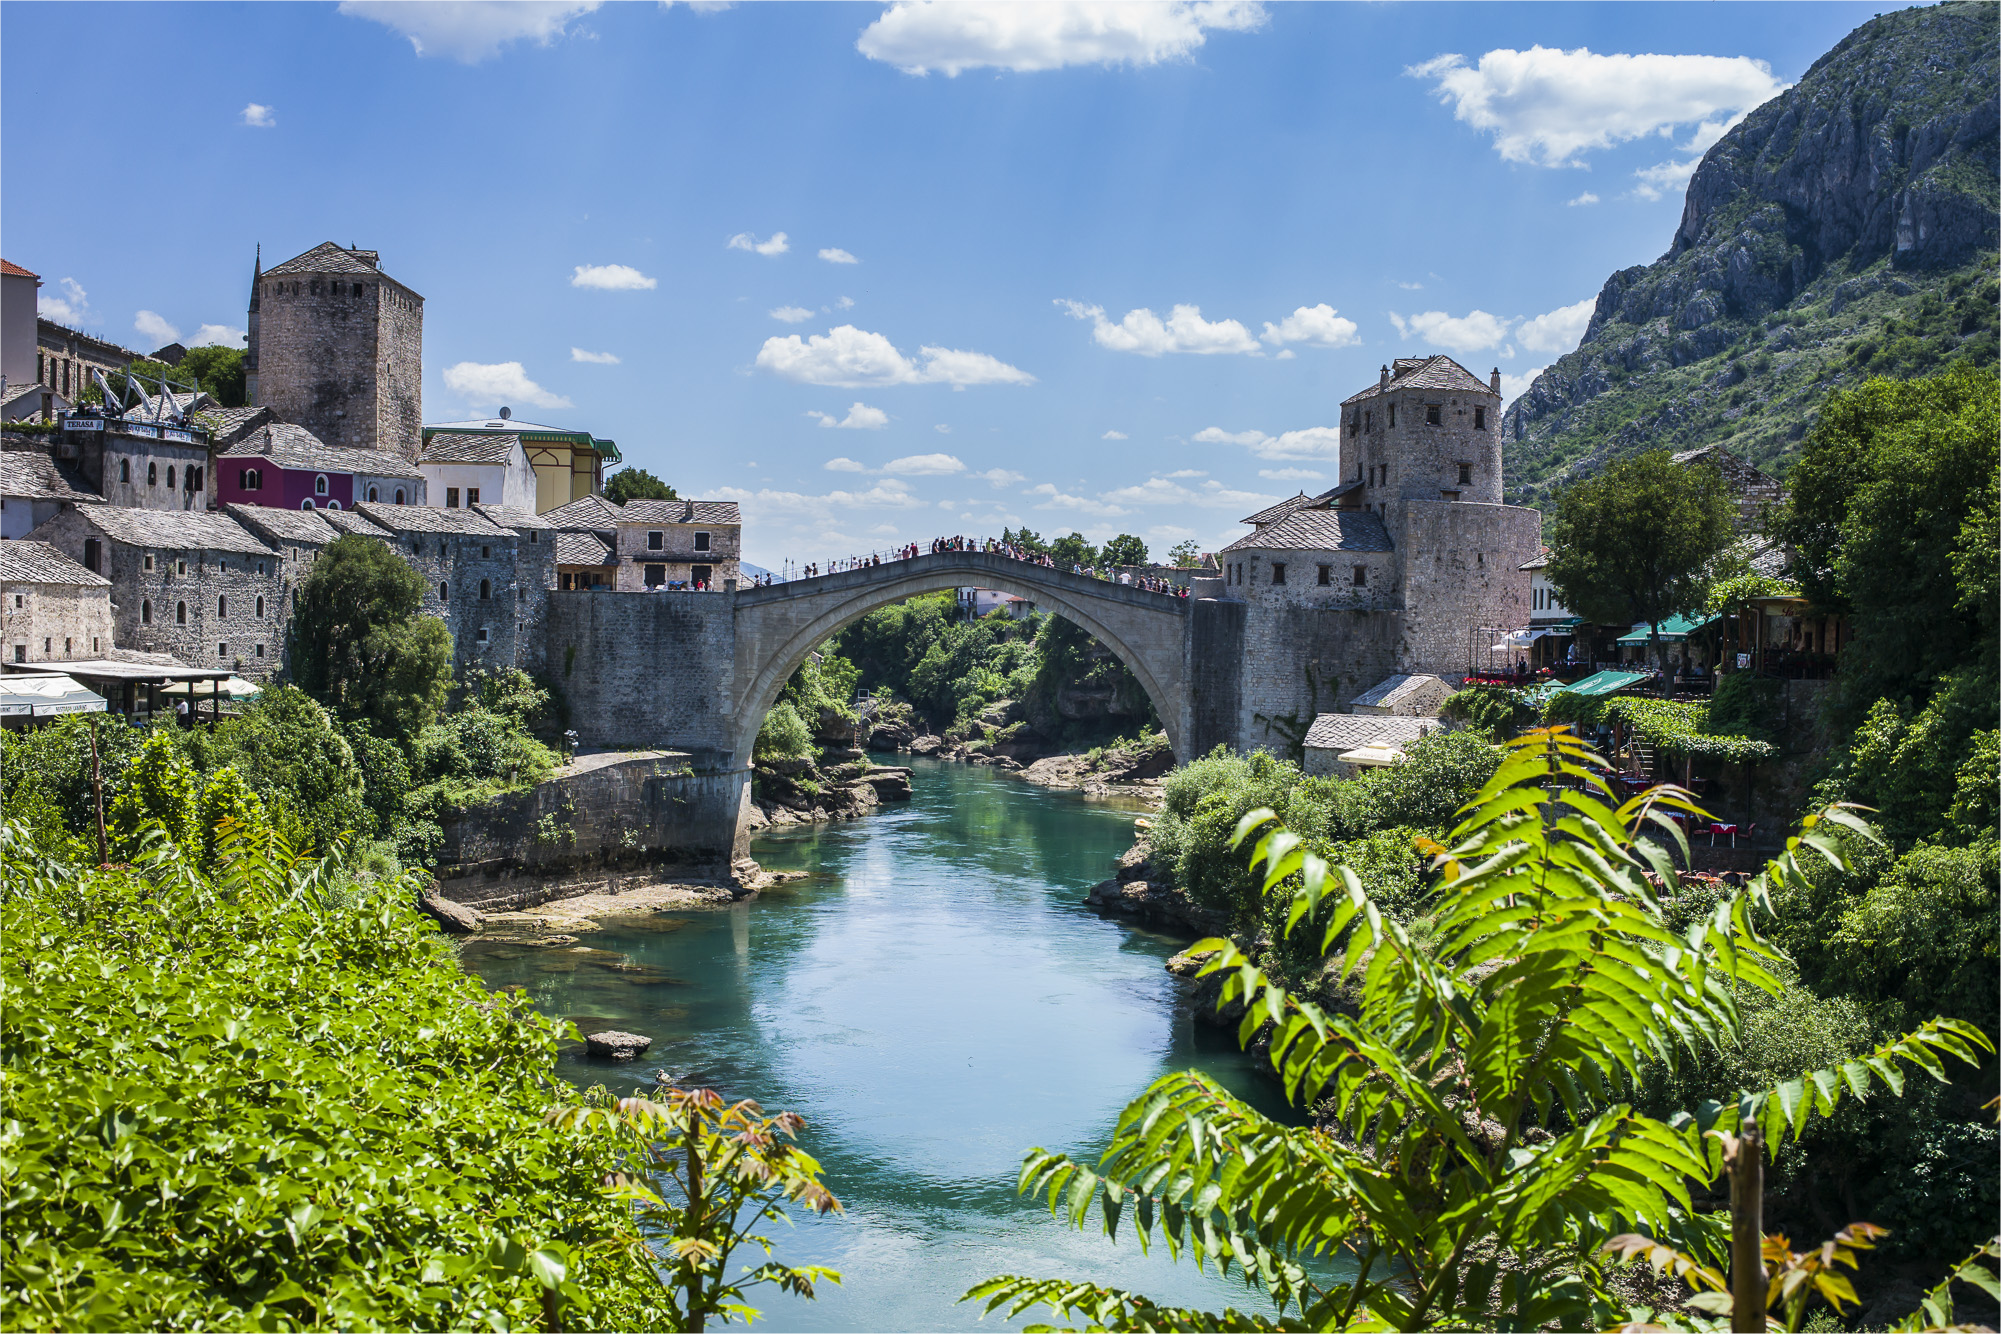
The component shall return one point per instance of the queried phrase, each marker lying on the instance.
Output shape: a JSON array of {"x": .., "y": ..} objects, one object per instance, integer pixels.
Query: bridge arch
[{"x": 778, "y": 626}]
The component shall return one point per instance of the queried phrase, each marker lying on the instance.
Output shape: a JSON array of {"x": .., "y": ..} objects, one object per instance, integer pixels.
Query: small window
[
  {"x": 1465, "y": 474},
  {"x": 260, "y": 607},
  {"x": 320, "y": 485},
  {"x": 180, "y": 613},
  {"x": 371, "y": 495},
  {"x": 1372, "y": 476},
  {"x": 260, "y": 650},
  {"x": 125, "y": 470},
  {"x": 1431, "y": 415},
  {"x": 486, "y": 553},
  {"x": 222, "y": 652},
  {"x": 1361, "y": 576},
  {"x": 181, "y": 566},
  {"x": 357, "y": 292},
  {"x": 656, "y": 575},
  {"x": 20, "y": 653},
  {"x": 480, "y": 638},
  {"x": 1326, "y": 575},
  {"x": 472, "y": 495},
  {"x": 1479, "y": 419},
  {"x": 48, "y": 646},
  {"x": 444, "y": 592},
  {"x": 701, "y": 541},
  {"x": 451, "y": 497},
  {"x": 152, "y": 474},
  {"x": 399, "y": 495},
  {"x": 197, "y": 479},
  {"x": 655, "y": 541},
  {"x": 1393, "y": 416},
  {"x": 170, "y": 476},
  {"x": 66, "y": 646},
  {"x": 534, "y": 536},
  {"x": 485, "y": 590},
  {"x": 147, "y": 562},
  {"x": 93, "y": 555},
  {"x": 222, "y": 608},
  {"x": 95, "y": 644},
  {"x": 260, "y": 567},
  {"x": 1385, "y": 475},
  {"x": 1278, "y": 572},
  {"x": 307, "y": 503}
]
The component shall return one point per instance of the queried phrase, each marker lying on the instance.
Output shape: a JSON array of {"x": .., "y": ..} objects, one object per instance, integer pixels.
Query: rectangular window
[
  {"x": 1278, "y": 572},
  {"x": 20, "y": 653},
  {"x": 701, "y": 541},
  {"x": 260, "y": 650},
  {"x": 472, "y": 495},
  {"x": 222, "y": 650},
  {"x": 1479, "y": 419},
  {"x": 93, "y": 555},
  {"x": 149, "y": 562},
  {"x": 1385, "y": 480},
  {"x": 1393, "y": 416},
  {"x": 656, "y": 541},
  {"x": 1326, "y": 574},
  {"x": 181, "y": 566},
  {"x": 95, "y": 645},
  {"x": 1465, "y": 474},
  {"x": 1361, "y": 576},
  {"x": 656, "y": 575},
  {"x": 451, "y": 497}
]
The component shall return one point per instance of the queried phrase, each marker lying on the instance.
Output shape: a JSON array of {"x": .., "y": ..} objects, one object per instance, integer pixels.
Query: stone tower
[
  {"x": 1427, "y": 430},
  {"x": 250, "y": 352},
  {"x": 337, "y": 346}
]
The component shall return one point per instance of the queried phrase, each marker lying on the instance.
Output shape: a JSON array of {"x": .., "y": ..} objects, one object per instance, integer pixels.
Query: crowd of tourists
[{"x": 996, "y": 547}]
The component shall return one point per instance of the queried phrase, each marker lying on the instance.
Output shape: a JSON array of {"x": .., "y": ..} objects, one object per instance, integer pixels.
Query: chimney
[
  {"x": 1494, "y": 380},
  {"x": 1384, "y": 383}
]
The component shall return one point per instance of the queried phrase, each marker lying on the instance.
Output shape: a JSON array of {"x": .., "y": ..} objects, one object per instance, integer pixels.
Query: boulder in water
[{"x": 619, "y": 1046}]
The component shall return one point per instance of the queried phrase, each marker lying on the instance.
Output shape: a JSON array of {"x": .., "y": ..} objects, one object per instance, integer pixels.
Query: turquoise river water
[{"x": 935, "y": 999}]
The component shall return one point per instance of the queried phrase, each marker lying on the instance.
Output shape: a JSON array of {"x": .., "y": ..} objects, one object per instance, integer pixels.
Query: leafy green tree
[
  {"x": 161, "y": 790},
  {"x": 1483, "y": 1164},
  {"x": 358, "y": 644},
  {"x": 636, "y": 484},
  {"x": 1185, "y": 555},
  {"x": 298, "y": 762},
  {"x": 1634, "y": 543},
  {"x": 219, "y": 370},
  {"x": 1125, "y": 549},
  {"x": 784, "y": 735},
  {"x": 1026, "y": 538},
  {"x": 1073, "y": 549}
]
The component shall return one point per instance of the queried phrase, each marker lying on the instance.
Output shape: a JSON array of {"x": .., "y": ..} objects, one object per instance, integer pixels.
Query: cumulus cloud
[
  {"x": 835, "y": 255},
  {"x": 502, "y": 382},
  {"x": 856, "y": 358},
  {"x": 1168, "y": 491},
  {"x": 942, "y": 429},
  {"x": 918, "y": 37},
  {"x": 923, "y": 465},
  {"x": 844, "y": 465},
  {"x": 1313, "y": 442},
  {"x": 1291, "y": 475},
  {"x": 1560, "y": 330},
  {"x": 1586, "y": 198},
  {"x": 1316, "y": 326},
  {"x": 845, "y": 303},
  {"x": 791, "y": 314},
  {"x": 219, "y": 335},
  {"x": 147, "y": 324},
  {"x": 777, "y": 245},
  {"x": 999, "y": 477},
  {"x": 861, "y": 417},
  {"x": 595, "y": 358},
  {"x": 1514, "y": 386},
  {"x": 768, "y": 504},
  {"x": 1664, "y": 177},
  {"x": 1458, "y": 333},
  {"x": 470, "y": 31},
  {"x": 612, "y": 278},
  {"x": 1113, "y": 435},
  {"x": 1054, "y": 499},
  {"x": 1548, "y": 106},
  {"x": 259, "y": 116},
  {"x": 72, "y": 307},
  {"x": 1142, "y": 331}
]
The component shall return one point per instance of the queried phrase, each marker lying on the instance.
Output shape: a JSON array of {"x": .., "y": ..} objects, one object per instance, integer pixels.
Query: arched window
[
  {"x": 180, "y": 613},
  {"x": 306, "y": 504},
  {"x": 320, "y": 485},
  {"x": 333, "y": 504},
  {"x": 485, "y": 589},
  {"x": 152, "y": 474},
  {"x": 444, "y": 593},
  {"x": 170, "y": 476},
  {"x": 146, "y": 612},
  {"x": 221, "y": 607},
  {"x": 125, "y": 470},
  {"x": 399, "y": 495},
  {"x": 260, "y": 607},
  {"x": 371, "y": 495}
]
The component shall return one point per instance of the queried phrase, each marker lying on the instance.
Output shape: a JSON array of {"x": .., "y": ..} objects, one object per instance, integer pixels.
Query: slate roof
[
  {"x": 1313, "y": 529},
  {"x": 33, "y": 475},
  {"x": 431, "y": 519},
  {"x": 326, "y": 257},
  {"x": 1541, "y": 560},
  {"x": 226, "y": 426},
  {"x": 1273, "y": 513},
  {"x": 349, "y": 521},
  {"x": 1351, "y": 731},
  {"x": 289, "y": 446},
  {"x": 452, "y": 447},
  {"x": 1440, "y": 373},
  {"x": 40, "y": 563},
  {"x": 586, "y": 513},
  {"x": 1394, "y": 690},
  {"x": 515, "y": 517},
  {"x": 681, "y": 511},
  {"x": 181, "y": 530},
  {"x": 582, "y": 549},
  {"x": 299, "y": 527},
  {"x": 28, "y": 390}
]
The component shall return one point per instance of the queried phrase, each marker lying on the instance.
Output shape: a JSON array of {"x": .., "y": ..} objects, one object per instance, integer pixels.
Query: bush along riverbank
[{"x": 806, "y": 765}]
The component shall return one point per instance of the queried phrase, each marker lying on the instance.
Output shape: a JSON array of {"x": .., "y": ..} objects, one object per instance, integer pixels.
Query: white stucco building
[{"x": 484, "y": 469}]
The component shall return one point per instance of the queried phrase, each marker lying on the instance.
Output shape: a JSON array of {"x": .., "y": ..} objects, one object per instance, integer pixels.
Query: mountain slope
[{"x": 1846, "y": 228}]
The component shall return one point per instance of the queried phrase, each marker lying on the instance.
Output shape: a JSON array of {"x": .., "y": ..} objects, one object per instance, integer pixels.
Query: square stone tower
[
  {"x": 337, "y": 346},
  {"x": 1428, "y": 430}
]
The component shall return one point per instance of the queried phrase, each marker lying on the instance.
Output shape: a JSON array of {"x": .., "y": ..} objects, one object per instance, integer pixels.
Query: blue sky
[{"x": 1103, "y": 267}]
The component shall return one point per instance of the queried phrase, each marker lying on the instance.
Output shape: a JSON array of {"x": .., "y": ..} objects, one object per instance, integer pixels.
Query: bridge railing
[{"x": 791, "y": 570}]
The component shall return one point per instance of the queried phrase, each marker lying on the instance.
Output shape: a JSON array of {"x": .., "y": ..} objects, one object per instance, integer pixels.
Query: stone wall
[
  {"x": 54, "y": 622},
  {"x": 1214, "y": 674},
  {"x": 1298, "y": 662},
  {"x": 1461, "y": 571},
  {"x": 1302, "y": 586},
  {"x": 399, "y": 372},
  {"x": 1423, "y": 460},
  {"x": 342, "y": 356},
  {"x": 132, "y": 471},
  {"x": 647, "y": 669}
]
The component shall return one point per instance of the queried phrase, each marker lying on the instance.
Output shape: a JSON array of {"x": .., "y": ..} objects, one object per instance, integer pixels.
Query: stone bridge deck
[{"x": 988, "y": 565}]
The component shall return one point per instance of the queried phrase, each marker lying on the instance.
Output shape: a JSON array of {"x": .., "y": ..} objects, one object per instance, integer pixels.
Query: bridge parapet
[{"x": 986, "y": 564}]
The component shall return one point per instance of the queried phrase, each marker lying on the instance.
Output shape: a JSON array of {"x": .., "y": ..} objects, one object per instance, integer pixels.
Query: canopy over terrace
[
  {"x": 1673, "y": 629},
  {"x": 128, "y": 687},
  {"x": 27, "y": 699},
  {"x": 1607, "y": 683}
]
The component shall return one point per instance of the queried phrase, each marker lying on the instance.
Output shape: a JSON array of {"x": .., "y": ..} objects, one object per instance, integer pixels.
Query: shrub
[
  {"x": 1496, "y": 710},
  {"x": 1747, "y": 706},
  {"x": 784, "y": 735}
]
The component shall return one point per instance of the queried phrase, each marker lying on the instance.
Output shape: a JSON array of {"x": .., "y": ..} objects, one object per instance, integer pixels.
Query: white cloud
[
  {"x": 1514, "y": 386},
  {"x": 1286, "y": 355},
  {"x": 147, "y": 324},
  {"x": 612, "y": 278},
  {"x": 777, "y": 245},
  {"x": 1586, "y": 198},
  {"x": 1317, "y": 326},
  {"x": 1291, "y": 475},
  {"x": 792, "y": 314},
  {"x": 999, "y": 477},
  {"x": 843, "y": 465},
  {"x": 834, "y": 254},
  {"x": 260, "y": 116},
  {"x": 861, "y": 417},
  {"x": 1313, "y": 442},
  {"x": 772, "y": 505},
  {"x": 1189, "y": 472},
  {"x": 71, "y": 308},
  {"x": 502, "y": 382},
  {"x": 595, "y": 358},
  {"x": 1113, "y": 435},
  {"x": 219, "y": 335},
  {"x": 942, "y": 429},
  {"x": 1146, "y": 333},
  {"x": 1665, "y": 177},
  {"x": 1547, "y": 106},
  {"x": 470, "y": 31},
  {"x": 1459, "y": 333},
  {"x": 845, "y": 303},
  {"x": 923, "y": 465},
  {"x": 850, "y": 357},
  {"x": 919, "y": 37},
  {"x": 1053, "y": 499},
  {"x": 1411, "y": 287},
  {"x": 1560, "y": 330}
]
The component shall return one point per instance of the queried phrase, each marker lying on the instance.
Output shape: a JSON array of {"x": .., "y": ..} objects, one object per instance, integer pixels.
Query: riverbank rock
[
  {"x": 619, "y": 1046},
  {"x": 1189, "y": 962},
  {"x": 927, "y": 745},
  {"x": 890, "y": 784},
  {"x": 455, "y": 918}
]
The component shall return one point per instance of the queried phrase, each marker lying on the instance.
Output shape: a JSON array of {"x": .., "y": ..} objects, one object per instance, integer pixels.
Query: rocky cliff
[{"x": 1844, "y": 229}]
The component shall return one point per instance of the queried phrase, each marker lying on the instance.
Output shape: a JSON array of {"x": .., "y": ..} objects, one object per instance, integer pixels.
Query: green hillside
[{"x": 1845, "y": 229}]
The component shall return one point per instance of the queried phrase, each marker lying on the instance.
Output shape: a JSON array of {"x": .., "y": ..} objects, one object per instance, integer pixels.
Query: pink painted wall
[{"x": 284, "y": 488}]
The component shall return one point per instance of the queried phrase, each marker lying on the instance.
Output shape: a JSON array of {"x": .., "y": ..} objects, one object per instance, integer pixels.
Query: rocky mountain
[{"x": 1846, "y": 228}]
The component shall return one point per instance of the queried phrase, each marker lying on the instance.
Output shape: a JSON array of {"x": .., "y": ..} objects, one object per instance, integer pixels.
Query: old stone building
[
  {"x": 337, "y": 346},
  {"x": 65, "y": 358},
  {"x": 35, "y": 485},
  {"x": 1756, "y": 492},
  {"x": 284, "y": 466},
  {"x": 52, "y": 609},
  {"x": 298, "y": 537},
  {"x": 565, "y": 465},
  {"x": 679, "y": 544},
  {"x": 480, "y": 579}
]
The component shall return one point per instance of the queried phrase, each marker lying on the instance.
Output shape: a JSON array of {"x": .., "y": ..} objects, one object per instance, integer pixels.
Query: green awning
[
  {"x": 1673, "y": 628},
  {"x": 1606, "y": 683}
]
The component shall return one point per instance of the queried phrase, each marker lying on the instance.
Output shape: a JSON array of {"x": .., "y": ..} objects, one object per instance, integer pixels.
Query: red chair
[{"x": 1731, "y": 832}]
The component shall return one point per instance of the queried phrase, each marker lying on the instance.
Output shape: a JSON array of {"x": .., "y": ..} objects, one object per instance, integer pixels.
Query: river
[{"x": 935, "y": 999}]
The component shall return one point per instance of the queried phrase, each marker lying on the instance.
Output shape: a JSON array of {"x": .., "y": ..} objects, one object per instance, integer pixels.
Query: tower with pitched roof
[{"x": 337, "y": 346}]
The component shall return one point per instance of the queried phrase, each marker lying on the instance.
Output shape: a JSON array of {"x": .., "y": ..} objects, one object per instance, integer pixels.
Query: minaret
[{"x": 250, "y": 350}]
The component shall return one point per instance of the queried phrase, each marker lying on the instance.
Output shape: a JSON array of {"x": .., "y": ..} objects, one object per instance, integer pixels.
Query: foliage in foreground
[{"x": 1482, "y": 1150}]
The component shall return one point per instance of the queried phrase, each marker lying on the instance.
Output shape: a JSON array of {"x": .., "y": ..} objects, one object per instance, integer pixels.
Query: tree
[
  {"x": 297, "y": 761},
  {"x": 1026, "y": 538},
  {"x": 218, "y": 370},
  {"x": 1634, "y": 543},
  {"x": 1483, "y": 1166},
  {"x": 1125, "y": 549},
  {"x": 359, "y": 646},
  {"x": 636, "y": 484},
  {"x": 1073, "y": 550},
  {"x": 1185, "y": 555}
]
